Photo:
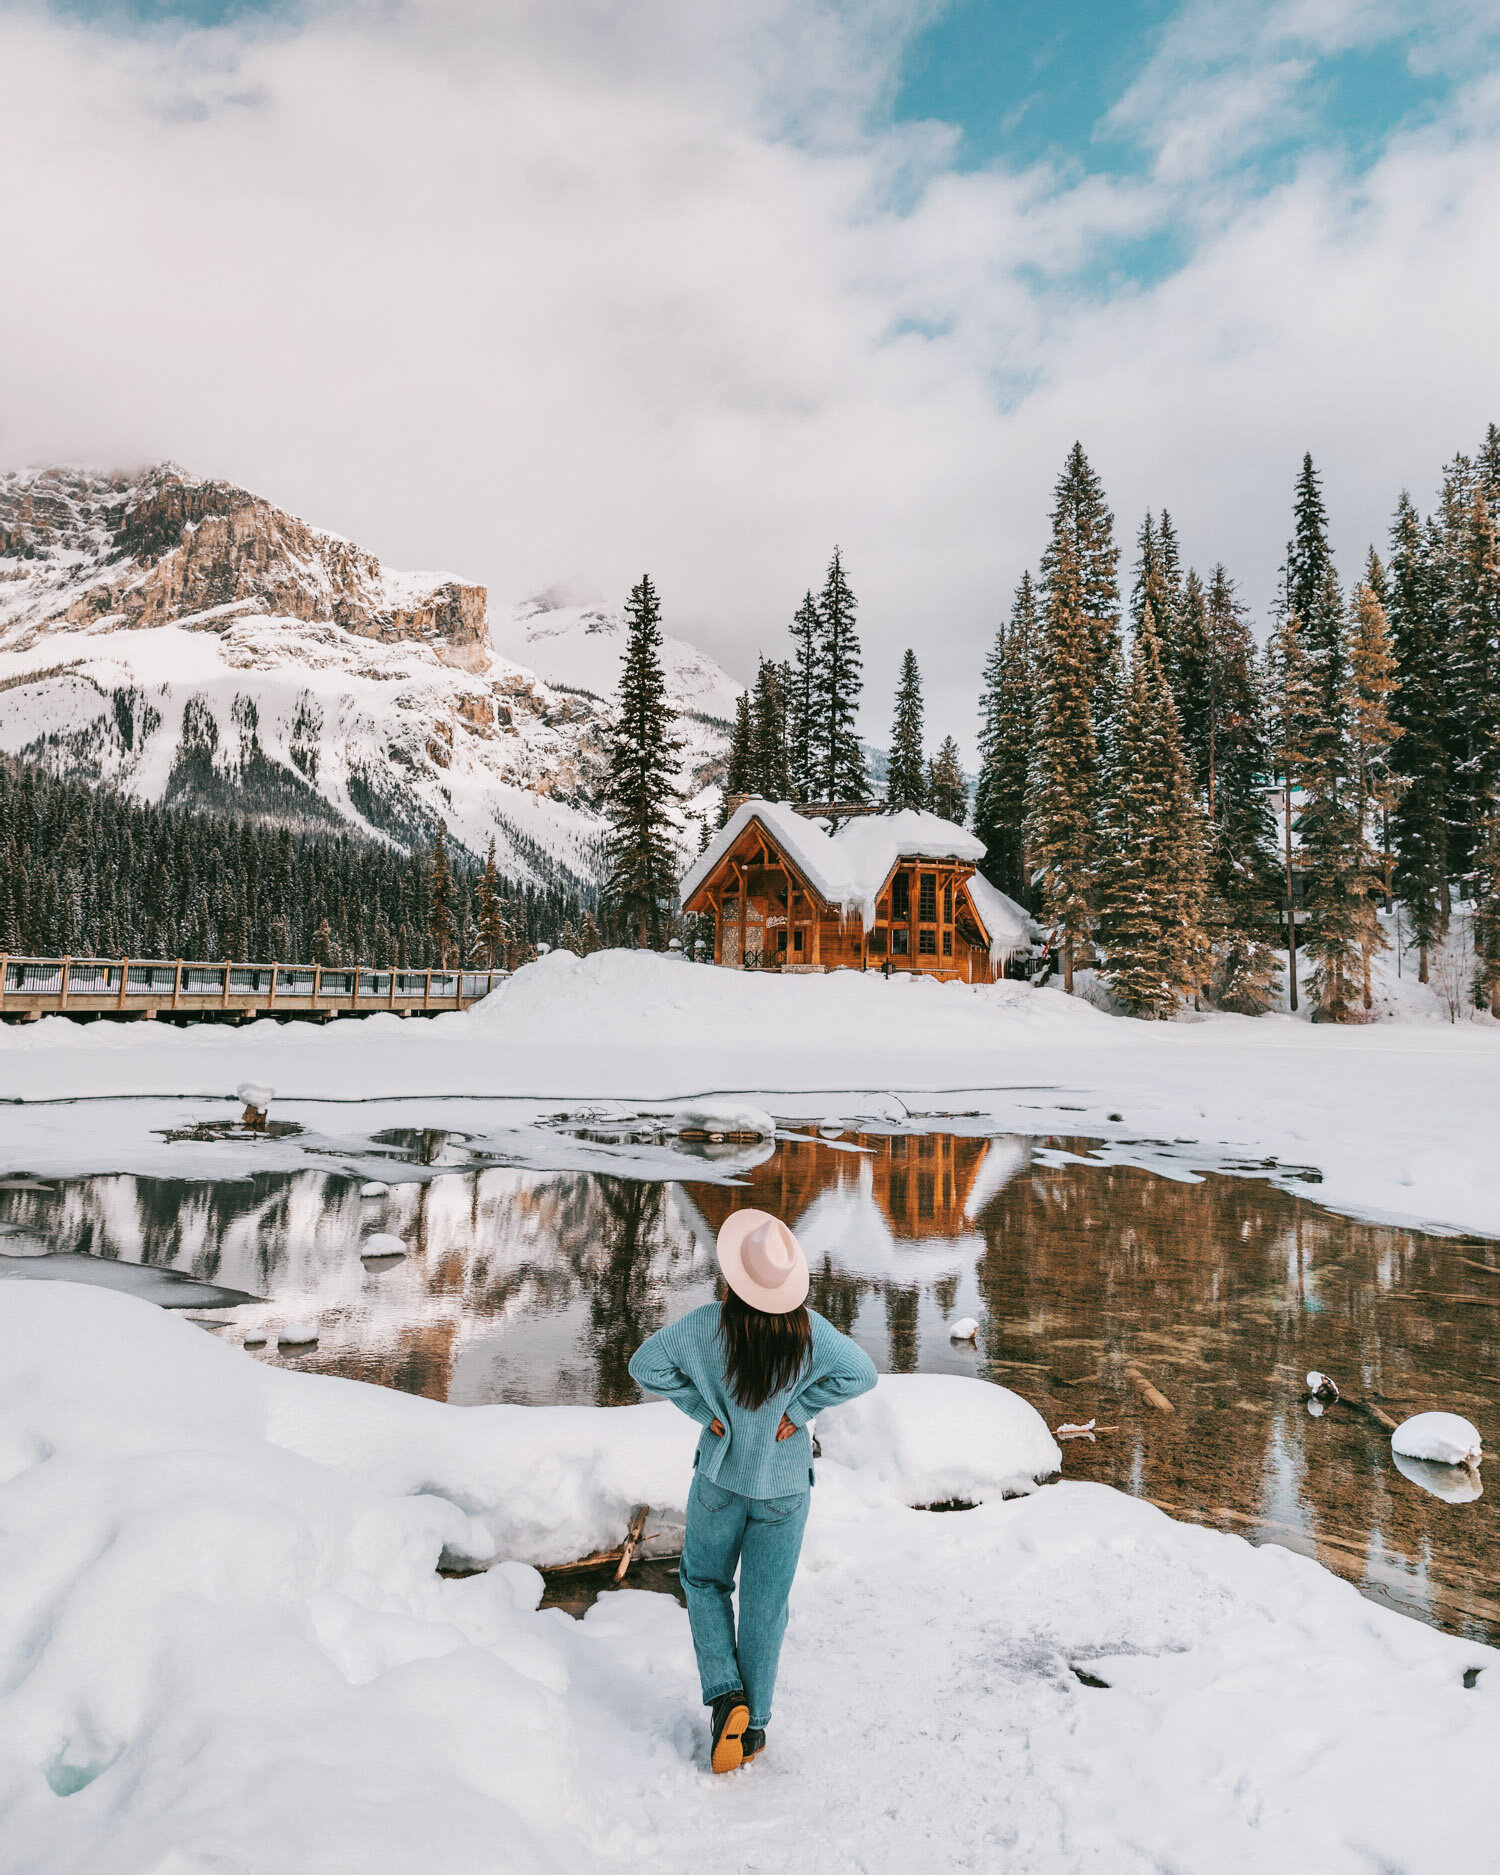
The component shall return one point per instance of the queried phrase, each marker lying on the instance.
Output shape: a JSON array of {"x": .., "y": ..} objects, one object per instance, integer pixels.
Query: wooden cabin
[{"x": 786, "y": 892}]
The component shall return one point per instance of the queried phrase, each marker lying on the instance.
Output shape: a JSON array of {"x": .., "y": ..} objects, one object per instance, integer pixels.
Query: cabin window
[
  {"x": 781, "y": 940},
  {"x": 948, "y": 902},
  {"x": 900, "y": 942},
  {"x": 927, "y": 943},
  {"x": 901, "y": 898},
  {"x": 947, "y": 943},
  {"x": 927, "y": 902},
  {"x": 797, "y": 937}
]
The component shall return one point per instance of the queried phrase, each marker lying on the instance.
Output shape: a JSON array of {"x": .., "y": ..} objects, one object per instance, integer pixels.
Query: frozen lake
[{"x": 1097, "y": 1285}]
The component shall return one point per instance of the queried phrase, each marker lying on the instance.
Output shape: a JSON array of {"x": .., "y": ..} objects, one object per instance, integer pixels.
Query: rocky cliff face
[
  {"x": 189, "y": 641},
  {"x": 178, "y": 549}
]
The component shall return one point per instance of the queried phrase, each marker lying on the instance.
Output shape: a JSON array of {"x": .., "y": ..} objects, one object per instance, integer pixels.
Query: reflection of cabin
[
  {"x": 919, "y": 1181},
  {"x": 787, "y": 893}
]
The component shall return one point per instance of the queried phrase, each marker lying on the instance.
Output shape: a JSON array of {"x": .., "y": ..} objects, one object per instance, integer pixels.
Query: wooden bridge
[{"x": 31, "y": 987}]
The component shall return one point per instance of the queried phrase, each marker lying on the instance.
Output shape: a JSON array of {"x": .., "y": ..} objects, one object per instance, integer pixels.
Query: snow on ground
[
  {"x": 225, "y": 1650},
  {"x": 1399, "y": 1117}
]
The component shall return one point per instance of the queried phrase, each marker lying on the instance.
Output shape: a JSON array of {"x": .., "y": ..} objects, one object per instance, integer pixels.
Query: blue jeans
[{"x": 764, "y": 1536}]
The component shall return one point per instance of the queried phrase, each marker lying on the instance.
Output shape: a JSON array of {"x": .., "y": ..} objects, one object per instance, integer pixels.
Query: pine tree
[
  {"x": 802, "y": 698},
  {"x": 1005, "y": 738},
  {"x": 323, "y": 943},
  {"x": 1244, "y": 889},
  {"x": 739, "y": 771},
  {"x": 1152, "y": 874},
  {"x": 839, "y": 762},
  {"x": 641, "y": 793},
  {"x": 906, "y": 773},
  {"x": 1474, "y": 620},
  {"x": 947, "y": 787},
  {"x": 1191, "y": 678},
  {"x": 1077, "y": 689},
  {"x": 440, "y": 924},
  {"x": 494, "y": 933},
  {"x": 1487, "y": 908},
  {"x": 770, "y": 770},
  {"x": 1332, "y": 849},
  {"x": 1420, "y": 710},
  {"x": 1292, "y": 696},
  {"x": 1373, "y": 733}
]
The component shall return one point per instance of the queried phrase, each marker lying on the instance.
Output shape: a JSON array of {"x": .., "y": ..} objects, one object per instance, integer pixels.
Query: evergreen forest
[{"x": 87, "y": 872}]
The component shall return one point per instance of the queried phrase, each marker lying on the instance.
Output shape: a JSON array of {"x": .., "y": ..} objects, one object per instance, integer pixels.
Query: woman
[{"x": 752, "y": 1371}]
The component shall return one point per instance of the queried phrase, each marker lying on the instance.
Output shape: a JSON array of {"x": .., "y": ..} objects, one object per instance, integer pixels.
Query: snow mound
[
  {"x": 382, "y": 1243},
  {"x": 224, "y": 1645},
  {"x": 724, "y": 1116},
  {"x": 255, "y": 1094},
  {"x": 1440, "y": 1438},
  {"x": 935, "y": 1437}
]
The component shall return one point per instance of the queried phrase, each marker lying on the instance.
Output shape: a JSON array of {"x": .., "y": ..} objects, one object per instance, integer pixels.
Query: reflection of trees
[
  {"x": 625, "y": 1303},
  {"x": 1223, "y": 1294},
  {"x": 835, "y": 1294},
  {"x": 901, "y": 1328}
]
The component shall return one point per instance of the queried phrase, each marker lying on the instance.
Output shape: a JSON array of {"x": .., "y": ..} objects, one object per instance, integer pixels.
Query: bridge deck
[{"x": 45, "y": 986}]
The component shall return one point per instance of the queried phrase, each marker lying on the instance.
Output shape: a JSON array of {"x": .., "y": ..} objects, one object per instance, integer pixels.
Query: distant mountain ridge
[{"x": 190, "y": 642}]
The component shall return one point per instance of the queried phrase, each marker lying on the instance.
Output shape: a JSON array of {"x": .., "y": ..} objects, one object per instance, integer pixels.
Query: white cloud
[{"x": 570, "y": 290}]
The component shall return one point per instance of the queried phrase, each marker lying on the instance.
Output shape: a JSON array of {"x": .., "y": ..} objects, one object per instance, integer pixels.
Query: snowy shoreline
[
  {"x": 296, "y": 1689},
  {"x": 1399, "y": 1118}
]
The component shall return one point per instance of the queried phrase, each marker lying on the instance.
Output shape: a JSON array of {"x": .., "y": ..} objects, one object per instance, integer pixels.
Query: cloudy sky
[{"x": 551, "y": 292}]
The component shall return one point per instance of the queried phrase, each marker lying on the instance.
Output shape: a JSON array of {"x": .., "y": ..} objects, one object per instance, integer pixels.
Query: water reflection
[{"x": 1098, "y": 1287}]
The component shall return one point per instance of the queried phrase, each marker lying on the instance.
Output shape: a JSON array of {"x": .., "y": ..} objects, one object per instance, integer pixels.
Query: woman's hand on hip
[
  {"x": 716, "y": 1429},
  {"x": 786, "y": 1430}
]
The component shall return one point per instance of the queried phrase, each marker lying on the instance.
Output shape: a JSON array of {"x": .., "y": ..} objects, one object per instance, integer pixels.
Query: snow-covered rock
[
  {"x": 724, "y": 1116},
  {"x": 964, "y": 1329},
  {"x": 374, "y": 1188},
  {"x": 255, "y": 1094},
  {"x": 382, "y": 1243},
  {"x": 297, "y": 1335},
  {"x": 936, "y": 1437},
  {"x": 1440, "y": 1438}
]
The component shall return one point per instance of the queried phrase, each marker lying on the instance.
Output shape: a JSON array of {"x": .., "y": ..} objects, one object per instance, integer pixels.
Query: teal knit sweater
[{"x": 684, "y": 1362}]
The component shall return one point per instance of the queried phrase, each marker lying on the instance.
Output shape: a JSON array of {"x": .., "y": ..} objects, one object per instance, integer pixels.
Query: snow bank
[
  {"x": 225, "y": 1649},
  {"x": 724, "y": 1116},
  {"x": 936, "y": 1437}
]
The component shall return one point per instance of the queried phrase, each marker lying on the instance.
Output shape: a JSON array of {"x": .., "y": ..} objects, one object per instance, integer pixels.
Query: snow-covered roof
[{"x": 848, "y": 868}]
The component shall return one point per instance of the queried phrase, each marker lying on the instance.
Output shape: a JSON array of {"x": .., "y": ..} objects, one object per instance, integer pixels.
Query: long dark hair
[{"x": 763, "y": 1354}]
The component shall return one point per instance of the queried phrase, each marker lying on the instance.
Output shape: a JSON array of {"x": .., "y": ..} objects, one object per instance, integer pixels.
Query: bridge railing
[{"x": 96, "y": 984}]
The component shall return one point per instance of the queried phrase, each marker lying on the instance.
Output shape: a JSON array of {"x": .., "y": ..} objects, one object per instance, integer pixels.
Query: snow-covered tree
[
  {"x": 1007, "y": 711},
  {"x": 947, "y": 789},
  {"x": 641, "y": 791},
  {"x": 838, "y": 761},
  {"x": 1152, "y": 874},
  {"x": 906, "y": 772}
]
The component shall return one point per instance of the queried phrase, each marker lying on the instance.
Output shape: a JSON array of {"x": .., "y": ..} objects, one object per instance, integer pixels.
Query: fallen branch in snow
[{"x": 632, "y": 1537}]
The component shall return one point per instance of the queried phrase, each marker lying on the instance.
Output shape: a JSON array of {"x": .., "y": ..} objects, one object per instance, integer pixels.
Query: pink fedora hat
[{"x": 763, "y": 1262}]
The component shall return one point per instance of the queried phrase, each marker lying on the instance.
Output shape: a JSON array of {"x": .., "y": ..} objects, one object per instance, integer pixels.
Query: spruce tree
[
  {"x": 323, "y": 943},
  {"x": 906, "y": 774},
  {"x": 769, "y": 767},
  {"x": 1005, "y": 736},
  {"x": 839, "y": 762},
  {"x": 494, "y": 934},
  {"x": 1192, "y": 676},
  {"x": 947, "y": 788},
  {"x": 1474, "y": 620},
  {"x": 739, "y": 772},
  {"x": 802, "y": 698},
  {"x": 1152, "y": 873},
  {"x": 1292, "y": 705},
  {"x": 1420, "y": 710},
  {"x": 1079, "y": 672},
  {"x": 1373, "y": 733},
  {"x": 1244, "y": 887},
  {"x": 440, "y": 920},
  {"x": 641, "y": 790}
]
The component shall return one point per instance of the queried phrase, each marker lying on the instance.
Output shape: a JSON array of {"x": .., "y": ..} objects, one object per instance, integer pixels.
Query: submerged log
[{"x": 633, "y": 1536}]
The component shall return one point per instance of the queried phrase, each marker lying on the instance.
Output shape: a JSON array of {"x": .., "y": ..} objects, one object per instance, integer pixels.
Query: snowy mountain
[{"x": 189, "y": 642}]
